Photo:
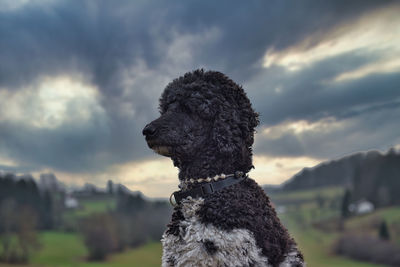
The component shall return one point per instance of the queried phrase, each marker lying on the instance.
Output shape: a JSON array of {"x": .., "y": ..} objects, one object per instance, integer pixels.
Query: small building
[
  {"x": 71, "y": 203},
  {"x": 361, "y": 207}
]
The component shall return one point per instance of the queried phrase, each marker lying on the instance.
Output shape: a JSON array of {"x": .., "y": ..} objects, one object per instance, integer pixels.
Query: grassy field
[
  {"x": 62, "y": 249},
  {"x": 317, "y": 245},
  {"x": 307, "y": 195},
  {"x": 367, "y": 223},
  {"x": 89, "y": 206},
  {"x": 68, "y": 250}
]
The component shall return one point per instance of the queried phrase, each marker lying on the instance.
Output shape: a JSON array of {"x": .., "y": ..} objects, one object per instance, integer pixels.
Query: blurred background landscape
[
  {"x": 342, "y": 213},
  {"x": 80, "y": 79}
]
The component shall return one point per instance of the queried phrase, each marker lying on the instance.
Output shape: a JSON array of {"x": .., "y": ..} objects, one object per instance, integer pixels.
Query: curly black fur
[
  {"x": 245, "y": 205},
  {"x": 210, "y": 246},
  {"x": 173, "y": 226},
  {"x": 207, "y": 127},
  {"x": 207, "y": 123}
]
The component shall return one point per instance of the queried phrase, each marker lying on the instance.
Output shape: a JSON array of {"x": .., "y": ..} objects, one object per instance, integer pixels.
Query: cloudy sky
[{"x": 80, "y": 79}]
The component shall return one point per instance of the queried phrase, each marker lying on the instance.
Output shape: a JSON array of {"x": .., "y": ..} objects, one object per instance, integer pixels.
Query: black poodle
[{"x": 222, "y": 217}]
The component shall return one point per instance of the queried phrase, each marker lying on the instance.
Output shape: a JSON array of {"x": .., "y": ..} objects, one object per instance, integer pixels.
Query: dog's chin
[{"x": 163, "y": 150}]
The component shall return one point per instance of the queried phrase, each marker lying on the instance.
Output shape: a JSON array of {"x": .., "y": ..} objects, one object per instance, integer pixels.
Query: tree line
[
  {"x": 132, "y": 223},
  {"x": 24, "y": 209}
]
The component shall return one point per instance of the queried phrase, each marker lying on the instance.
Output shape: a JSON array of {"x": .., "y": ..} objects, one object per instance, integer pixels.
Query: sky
[{"x": 80, "y": 79}]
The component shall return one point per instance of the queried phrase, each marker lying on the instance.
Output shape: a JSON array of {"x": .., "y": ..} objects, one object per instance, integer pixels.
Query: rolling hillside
[{"x": 371, "y": 175}]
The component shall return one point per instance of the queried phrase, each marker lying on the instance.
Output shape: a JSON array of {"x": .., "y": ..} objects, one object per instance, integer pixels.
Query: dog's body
[
  {"x": 207, "y": 128},
  {"x": 219, "y": 232}
]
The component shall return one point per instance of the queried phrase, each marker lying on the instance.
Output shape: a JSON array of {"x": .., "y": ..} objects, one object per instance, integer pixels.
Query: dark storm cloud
[
  {"x": 249, "y": 28},
  {"x": 367, "y": 131},
  {"x": 103, "y": 39},
  {"x": 360, "y": 113},
  {"x": 97, "y": 38},
  {"x": 68, "y": 148},
  {"x": 18, "y": 169},
  {"x": 310, "y": 94},
  {"x": 287, "y": 144}
]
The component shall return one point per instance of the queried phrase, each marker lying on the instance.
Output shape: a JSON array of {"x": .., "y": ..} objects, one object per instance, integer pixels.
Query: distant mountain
[
  {"x": 338, "y": 172},
  {"x": 369, "y": 175}
]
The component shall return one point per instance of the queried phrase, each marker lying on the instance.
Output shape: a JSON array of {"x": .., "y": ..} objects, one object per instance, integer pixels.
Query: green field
[
  {"x": 68, "y": 250},
  {"x": 93, "y": 205},
  {"x": 307, "y": 195},
  {"x": 88, "y": 206},
  {"x": 317, "y": 245}
]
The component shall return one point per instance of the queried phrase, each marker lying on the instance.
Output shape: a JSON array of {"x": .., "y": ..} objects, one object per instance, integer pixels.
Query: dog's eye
[{"x": 169, "y": 107}]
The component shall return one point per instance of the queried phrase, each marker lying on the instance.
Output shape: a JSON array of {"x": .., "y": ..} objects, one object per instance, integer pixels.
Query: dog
[{"x": 221, "y": 216}]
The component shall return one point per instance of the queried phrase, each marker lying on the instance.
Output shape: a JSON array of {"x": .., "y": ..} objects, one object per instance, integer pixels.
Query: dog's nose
[{"x": 149, "y": 130}]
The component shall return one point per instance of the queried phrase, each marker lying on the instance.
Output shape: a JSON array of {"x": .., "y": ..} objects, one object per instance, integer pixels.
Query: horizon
[{"x": 72, "y": 186}]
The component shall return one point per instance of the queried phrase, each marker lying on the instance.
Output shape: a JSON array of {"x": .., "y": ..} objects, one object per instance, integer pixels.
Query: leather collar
[{"x": 207, "y": 188}]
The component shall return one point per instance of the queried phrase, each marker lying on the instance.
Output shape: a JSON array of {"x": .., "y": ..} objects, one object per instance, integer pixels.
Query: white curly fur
[{"x": 235, "y": 248}]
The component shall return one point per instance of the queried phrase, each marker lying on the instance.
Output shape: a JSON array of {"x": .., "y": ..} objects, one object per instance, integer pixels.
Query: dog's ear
[{"x": 227, "y": 137}]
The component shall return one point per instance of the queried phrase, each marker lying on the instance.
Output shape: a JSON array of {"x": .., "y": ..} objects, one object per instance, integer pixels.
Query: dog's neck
[{"x": 201, "y": 168}]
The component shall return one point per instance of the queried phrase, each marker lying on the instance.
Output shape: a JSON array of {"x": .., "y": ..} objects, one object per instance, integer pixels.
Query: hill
[{"x": 369, "y": 175}]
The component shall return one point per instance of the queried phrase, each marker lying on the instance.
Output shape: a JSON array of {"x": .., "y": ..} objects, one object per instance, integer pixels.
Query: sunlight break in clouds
[
  {"x": 387, "y": 65},
  {"x": 155, "y": 178},
  {"x": 8, "y": 162},
  {"x": 298, "y": 127},
  {"x": 377, "y": 31},
  {"x": 50, "y": 103},
  {"x": 275, "y": 170}
]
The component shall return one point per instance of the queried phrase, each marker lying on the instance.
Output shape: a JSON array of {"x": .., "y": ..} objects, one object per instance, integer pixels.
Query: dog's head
[{"x": 203, "y": 112}]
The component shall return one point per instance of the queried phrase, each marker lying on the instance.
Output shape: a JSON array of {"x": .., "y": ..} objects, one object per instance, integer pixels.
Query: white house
[
  {"x": 71, "y": 203},
  {"x": 361, "y": 207}
]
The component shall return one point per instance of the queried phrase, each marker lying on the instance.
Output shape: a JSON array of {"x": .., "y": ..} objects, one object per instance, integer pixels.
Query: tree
[
  {"x": 321, "y": 200},
  {"x": 19, "y": 223},
  {"x": 47, "y": 211},
  {"x": 345, "y": 204},
  {"x": 7, "y": 223},
  {"x": 384, "y": 231},
  {"x": 100, "y": 234},
  {"x": 110, "y": 187},
  {"x": 26, "y": 233},
  {"x": 344, "y": 210}
]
